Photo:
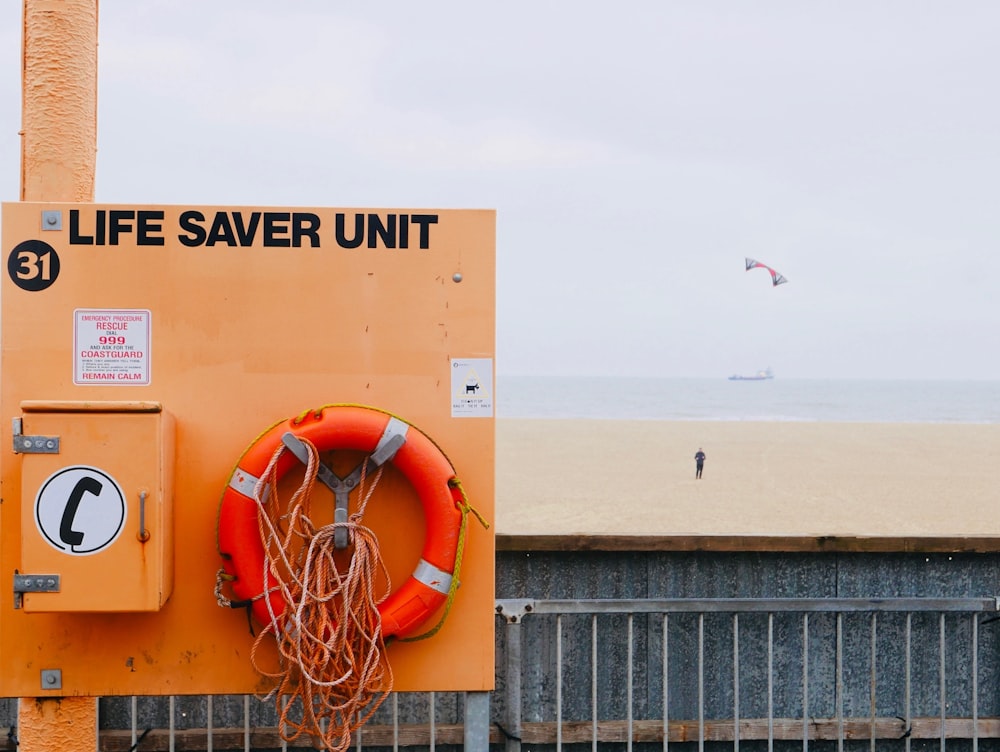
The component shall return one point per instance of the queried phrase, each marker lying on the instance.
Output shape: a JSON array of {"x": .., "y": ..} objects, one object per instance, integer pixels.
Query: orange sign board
[{"x": 145, "y": 348}]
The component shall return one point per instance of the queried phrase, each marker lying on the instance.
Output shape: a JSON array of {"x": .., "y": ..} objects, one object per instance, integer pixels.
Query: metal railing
[
  {"x": 664, "y": 674},
  {"x": 788, "y": 672},
  {"x": 187, "y": 723}
]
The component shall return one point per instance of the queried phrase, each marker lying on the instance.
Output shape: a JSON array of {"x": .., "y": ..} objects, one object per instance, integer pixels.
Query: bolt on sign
[{"x": 175, "y": 378}]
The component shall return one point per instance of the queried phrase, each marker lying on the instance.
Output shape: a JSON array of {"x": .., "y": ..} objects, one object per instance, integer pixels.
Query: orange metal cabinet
[{"x": 96, "y": 506}]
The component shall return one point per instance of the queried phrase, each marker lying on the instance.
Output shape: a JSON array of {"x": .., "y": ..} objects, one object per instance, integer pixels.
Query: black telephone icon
[{"x": 85, "y": 485}]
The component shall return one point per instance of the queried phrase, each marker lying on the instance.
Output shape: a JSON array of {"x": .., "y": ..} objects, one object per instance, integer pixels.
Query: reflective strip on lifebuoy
[{"x": 369, "y": 430}]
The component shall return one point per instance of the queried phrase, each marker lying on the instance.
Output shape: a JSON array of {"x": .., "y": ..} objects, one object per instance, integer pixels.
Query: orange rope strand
[{"x": 331, "y": 652}]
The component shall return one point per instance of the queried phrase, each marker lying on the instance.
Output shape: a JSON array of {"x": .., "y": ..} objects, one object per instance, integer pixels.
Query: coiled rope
[{"x": 331, "y": 651}]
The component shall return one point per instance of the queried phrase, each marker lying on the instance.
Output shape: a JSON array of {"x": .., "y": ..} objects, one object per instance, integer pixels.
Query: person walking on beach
[{"x": 699, "y": 462}]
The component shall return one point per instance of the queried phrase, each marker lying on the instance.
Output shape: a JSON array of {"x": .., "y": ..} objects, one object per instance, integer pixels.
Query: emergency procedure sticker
[
  {"x": 472, "y": 388},
  {"x": 111, "y": 347}
]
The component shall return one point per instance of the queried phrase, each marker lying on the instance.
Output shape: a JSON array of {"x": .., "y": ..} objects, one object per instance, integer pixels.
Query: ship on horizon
[{"x": 764, "y": 375}]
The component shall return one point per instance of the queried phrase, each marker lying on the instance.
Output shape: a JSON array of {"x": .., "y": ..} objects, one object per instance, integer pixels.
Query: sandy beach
[{"x": 611, "y": 477}]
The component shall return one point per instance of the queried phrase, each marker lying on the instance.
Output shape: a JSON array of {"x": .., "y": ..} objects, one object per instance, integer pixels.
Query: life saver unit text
[{"x": 246, "y": 229}]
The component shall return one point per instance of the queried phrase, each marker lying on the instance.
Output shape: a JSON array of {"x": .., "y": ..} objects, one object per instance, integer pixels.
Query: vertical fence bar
[
  {"x": 909, "y": 678},
  {"x": 942, "y": 691},
  {"x": 134, "y": 710},
  {"x": 701, "y": 682},
  {"x": 975, "y": 681},
  {"x": 839, "y": 689},
  {"x": 805, "y": 682},
  {"x": 665, "y": 661},
  {"x": 281, "y": 722},
  {"x": 593, "y": 683},
  {"x": 736, "y": 682},
  {"x": 433, "y": 721},
  {"x": 513, "y": 681},
  {"x": 770, "y": 682},
  {"x": 477, "y": 722},
  {"x": 395, "y": 722},
  {"x": 246, "y": 723},
  {"x": 872, "y": 682},
  {"x": 628, "y": 675},
  {"x": 172, "y": 730},
  {"x": 559, "y": 715},
  {"x": 209, "y": 724}
]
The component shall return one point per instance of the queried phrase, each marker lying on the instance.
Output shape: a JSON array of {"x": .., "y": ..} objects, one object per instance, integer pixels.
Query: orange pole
[
  {"x": 67, "y": 724},
  {"x": 58, "y": 157},
  {"x": 59, "y": 100}
]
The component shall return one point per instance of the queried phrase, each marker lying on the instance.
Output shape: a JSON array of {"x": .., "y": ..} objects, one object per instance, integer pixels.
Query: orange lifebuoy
[{"x": 348, "y": 427}]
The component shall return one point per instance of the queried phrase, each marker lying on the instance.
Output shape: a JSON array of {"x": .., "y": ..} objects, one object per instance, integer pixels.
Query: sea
[{"x": 777, "y": 399}]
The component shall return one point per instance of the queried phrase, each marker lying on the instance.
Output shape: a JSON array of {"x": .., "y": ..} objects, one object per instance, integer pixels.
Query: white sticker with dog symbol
[{"x": 472, "y": 388}]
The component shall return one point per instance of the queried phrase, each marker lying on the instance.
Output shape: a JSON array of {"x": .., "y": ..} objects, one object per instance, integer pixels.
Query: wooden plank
[
  {"x": 419, "y": 735},
  {"x": 756, "y": 729},
  {"x": 736, "y": 543}
]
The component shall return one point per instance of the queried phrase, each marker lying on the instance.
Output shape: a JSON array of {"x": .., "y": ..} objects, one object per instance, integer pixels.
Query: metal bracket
[
  {"x": 393, "y": 438},
  {"x": 51, "y": 678},
  {"x": 342, "y": 487},
  {"x": 33, "y": 444},
  {"x": 514, "y": 609},
  {"x": 33, "y": 583},
  {"x": 51, "y": 219}
]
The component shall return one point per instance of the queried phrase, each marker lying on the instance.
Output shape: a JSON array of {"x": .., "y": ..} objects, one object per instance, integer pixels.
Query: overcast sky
[{"x": 635, "y": 152}]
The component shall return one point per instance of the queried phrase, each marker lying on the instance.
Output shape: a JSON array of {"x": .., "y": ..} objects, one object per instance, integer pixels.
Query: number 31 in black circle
[{"x": 33, "y": 265}]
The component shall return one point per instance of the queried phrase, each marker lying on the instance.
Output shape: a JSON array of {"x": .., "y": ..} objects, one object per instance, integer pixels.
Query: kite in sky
[{"x": 776, "y": 278}]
